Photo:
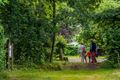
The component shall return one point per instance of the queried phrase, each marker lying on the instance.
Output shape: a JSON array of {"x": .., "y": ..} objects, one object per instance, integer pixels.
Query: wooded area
[{"x": 41, "y": 31}]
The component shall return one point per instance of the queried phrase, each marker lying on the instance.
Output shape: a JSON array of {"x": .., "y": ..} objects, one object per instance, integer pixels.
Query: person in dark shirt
[{"x": 93, "y": 51}]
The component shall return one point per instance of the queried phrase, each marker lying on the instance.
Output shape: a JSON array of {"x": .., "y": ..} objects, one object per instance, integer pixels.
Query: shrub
[
  {"x": 71, "y": 50},
  {"x": 108, "y": 64},
  {"x": 2, "y": 51}
]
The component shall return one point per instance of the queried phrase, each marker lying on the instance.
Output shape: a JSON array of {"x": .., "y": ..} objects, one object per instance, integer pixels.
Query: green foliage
[
  {"x": 29, "y": 24},
  {"x": 26, "y": 24},
  {"x": 109, "y": 25},
  {"x": 2, "y": 51},
  {"x": 60, "y": 40},
  {"x": 60, "y": 46},
  {"x": 103, "y": 26},
  {"x": 108, "y": 65},
  {"x": 71, "y": 50}
]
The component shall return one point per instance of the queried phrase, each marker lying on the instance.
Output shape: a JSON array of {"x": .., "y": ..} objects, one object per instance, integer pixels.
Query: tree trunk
[
  {"x": 61, "y": 53},
  {"x": 53, "y": 34}
]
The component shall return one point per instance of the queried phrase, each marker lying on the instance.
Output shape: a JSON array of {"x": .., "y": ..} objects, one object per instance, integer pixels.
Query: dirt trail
[
  {"x": 79, "y": 60},
  {"x": 82, "y": 66},
  {"x": 75, "y": 64}
]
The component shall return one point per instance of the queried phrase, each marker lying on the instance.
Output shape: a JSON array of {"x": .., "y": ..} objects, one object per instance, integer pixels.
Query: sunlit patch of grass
[{"x": 100, "y": 74}]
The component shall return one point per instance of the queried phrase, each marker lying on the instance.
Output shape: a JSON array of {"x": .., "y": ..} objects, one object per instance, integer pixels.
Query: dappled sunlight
[{"x": 59, "y": 39}]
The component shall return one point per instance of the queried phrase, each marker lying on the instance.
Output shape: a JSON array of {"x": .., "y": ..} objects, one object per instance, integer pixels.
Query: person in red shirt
[
  {"x": 88, "y": 54},
  {"x": 91, "y": 57}
]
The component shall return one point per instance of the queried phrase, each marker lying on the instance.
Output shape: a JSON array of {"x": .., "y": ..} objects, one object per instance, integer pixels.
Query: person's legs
[
  {"x": 89, "y": 58},
  {"x": 85, "y": 59},
  {"x": 95, "y": 59},
  {"x": 82, "y": 58},
  {"x": 92, "y": 57}
]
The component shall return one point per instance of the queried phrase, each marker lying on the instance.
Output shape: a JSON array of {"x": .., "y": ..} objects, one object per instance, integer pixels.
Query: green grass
[
  {"x": 69, "y": 71},
  {"x": 100, "y": 74}
]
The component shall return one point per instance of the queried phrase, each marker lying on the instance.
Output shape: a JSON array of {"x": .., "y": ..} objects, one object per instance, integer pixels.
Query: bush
[
  {"x": 108, "y": 64},
  {"x": 2, "y": 51},
  {"x": 117, "y": 65},
  {"x": 71, "y": 50},
  {"x": 45, "y": 66}
]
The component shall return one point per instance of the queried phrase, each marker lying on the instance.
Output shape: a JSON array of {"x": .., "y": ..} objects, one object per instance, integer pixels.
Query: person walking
[
  {"x": 82, "y": 55},
  {"x": 88, "y": 54},
  {"x": 93, "y": 51}
]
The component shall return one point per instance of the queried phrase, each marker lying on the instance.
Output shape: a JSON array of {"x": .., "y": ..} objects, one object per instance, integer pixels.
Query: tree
[
  {"x": 53, "y": 33},
  {"x": 26, "y": 24},
  {"x": 108, "y": 21},
  {"x": 103, "y": 26}
]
